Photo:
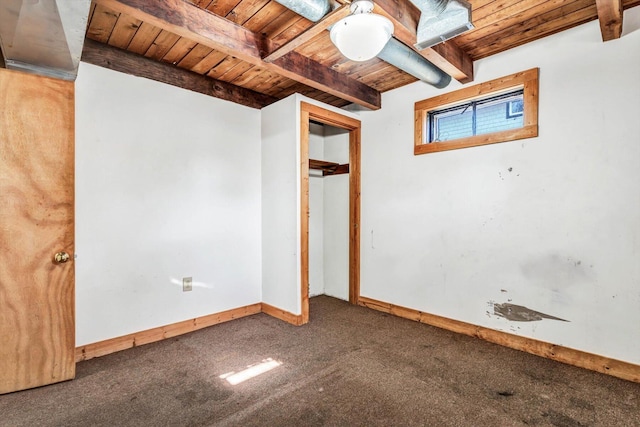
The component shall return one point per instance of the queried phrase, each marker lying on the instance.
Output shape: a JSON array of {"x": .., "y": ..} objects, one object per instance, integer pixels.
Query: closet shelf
[{"x": 328, "y": 168}]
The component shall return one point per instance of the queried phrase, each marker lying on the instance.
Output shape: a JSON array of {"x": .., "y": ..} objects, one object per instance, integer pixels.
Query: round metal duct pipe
[
  {"x": 313, "y": 10},
  {"x": 395, "y": 52},
  {"x": 400, "y": 56}
]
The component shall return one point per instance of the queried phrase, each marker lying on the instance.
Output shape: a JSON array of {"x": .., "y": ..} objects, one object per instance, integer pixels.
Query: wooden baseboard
[
  {"x": 294, "y": 319},
  {"x": 102, "y": 348},
  {"x": 594, "y": 362}
]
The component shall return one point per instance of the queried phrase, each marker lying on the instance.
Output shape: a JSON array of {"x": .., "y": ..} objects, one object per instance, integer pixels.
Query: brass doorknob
[{"x": 61, "y": 257}]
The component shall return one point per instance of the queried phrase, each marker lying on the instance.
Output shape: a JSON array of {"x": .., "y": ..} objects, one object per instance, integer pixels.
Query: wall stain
[
  {"x": 555, "y": 272},
  {"x": 519, "y": 313}
]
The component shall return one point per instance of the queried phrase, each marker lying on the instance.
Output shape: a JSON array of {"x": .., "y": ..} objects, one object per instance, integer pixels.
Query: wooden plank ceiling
[{"x": 254, "y": 52}]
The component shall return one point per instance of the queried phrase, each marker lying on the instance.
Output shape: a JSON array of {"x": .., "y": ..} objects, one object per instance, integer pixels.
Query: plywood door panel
[{"x": 37, "y": 333}]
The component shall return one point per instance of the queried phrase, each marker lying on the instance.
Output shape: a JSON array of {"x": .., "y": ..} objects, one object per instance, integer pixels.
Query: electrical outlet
[{"x": 187, "y": 284}]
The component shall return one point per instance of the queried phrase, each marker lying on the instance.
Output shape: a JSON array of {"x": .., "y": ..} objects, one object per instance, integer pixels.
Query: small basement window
[
  {"x": 501, "y": 110},
  {"x": 477, "y": 117}
]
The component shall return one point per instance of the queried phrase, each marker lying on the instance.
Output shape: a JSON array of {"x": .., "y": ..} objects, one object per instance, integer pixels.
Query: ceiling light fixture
[{"x": 361, "y": 35}]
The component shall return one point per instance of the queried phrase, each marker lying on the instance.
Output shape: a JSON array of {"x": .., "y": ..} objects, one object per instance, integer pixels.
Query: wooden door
[{"x": 37, "y": 328}]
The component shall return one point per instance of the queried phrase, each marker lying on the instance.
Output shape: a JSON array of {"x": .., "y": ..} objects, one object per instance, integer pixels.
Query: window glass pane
[
  {"x": 478, "y": 117},
  {"x": 452, "y": 123},
  {"x": 495, "y": 115}
]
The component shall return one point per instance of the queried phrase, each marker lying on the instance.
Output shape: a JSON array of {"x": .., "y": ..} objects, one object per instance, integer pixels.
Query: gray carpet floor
[{"x": 350, "y": 366}]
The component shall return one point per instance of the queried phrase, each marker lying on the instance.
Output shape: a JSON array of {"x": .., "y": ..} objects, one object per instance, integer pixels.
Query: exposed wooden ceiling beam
[
  {"x": 447, "y": 56},
  {"x": 106, "y": 56},
  {"x": 610, "y": 16},
  {"x": 187, "y": 20},
  {"x": 318, "y": 28}
]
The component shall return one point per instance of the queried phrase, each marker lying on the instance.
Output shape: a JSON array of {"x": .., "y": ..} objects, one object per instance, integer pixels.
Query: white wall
[
  {"x": 281, "y": 205},
  {"x": 167, "y": 186},
  {"x": 336, "y": 216},
  {"x": 551, "y": 223}
]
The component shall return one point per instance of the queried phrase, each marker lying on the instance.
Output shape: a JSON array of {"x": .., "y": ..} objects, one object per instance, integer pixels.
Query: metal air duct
[
  {"x": 313, "y": 10},
  {"x": 441, "y": 20},
  {"x": 43, "y": 36},
  {"x": 400, "y": 56},
  {"x": 395, "y": 52}
]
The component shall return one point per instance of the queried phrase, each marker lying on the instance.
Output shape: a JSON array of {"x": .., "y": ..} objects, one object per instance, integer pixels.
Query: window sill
[{"x": 475, "y": 141}]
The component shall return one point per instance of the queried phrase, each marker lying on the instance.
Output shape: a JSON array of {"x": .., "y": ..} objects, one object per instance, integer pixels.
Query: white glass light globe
[{"x": 362, "y": 36}]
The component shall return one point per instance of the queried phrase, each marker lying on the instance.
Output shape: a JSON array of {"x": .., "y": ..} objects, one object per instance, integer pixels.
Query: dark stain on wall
[{"x": 519, "y": 313}]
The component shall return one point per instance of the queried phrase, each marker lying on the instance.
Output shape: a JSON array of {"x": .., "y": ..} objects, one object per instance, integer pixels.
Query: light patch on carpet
[{"x": 252, "y": 371}]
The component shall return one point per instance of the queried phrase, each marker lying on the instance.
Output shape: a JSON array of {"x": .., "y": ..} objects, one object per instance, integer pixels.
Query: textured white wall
[
  {"x": 167, "y": 186},
  {"x": 551, "y": 223},
  {"x": 281, "y": 205},
  {"x": 336, "y": 216}
]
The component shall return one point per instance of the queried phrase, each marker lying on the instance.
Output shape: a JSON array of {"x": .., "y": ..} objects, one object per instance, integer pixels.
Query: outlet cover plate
[{"x": 187, "y": 284}]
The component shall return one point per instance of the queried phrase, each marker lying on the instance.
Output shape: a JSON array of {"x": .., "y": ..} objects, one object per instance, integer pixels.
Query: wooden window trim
[{"x": 526, "y": 80}]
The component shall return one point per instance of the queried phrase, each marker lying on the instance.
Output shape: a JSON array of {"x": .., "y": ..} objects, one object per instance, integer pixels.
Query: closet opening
[{"x": 330, "y": 205}]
